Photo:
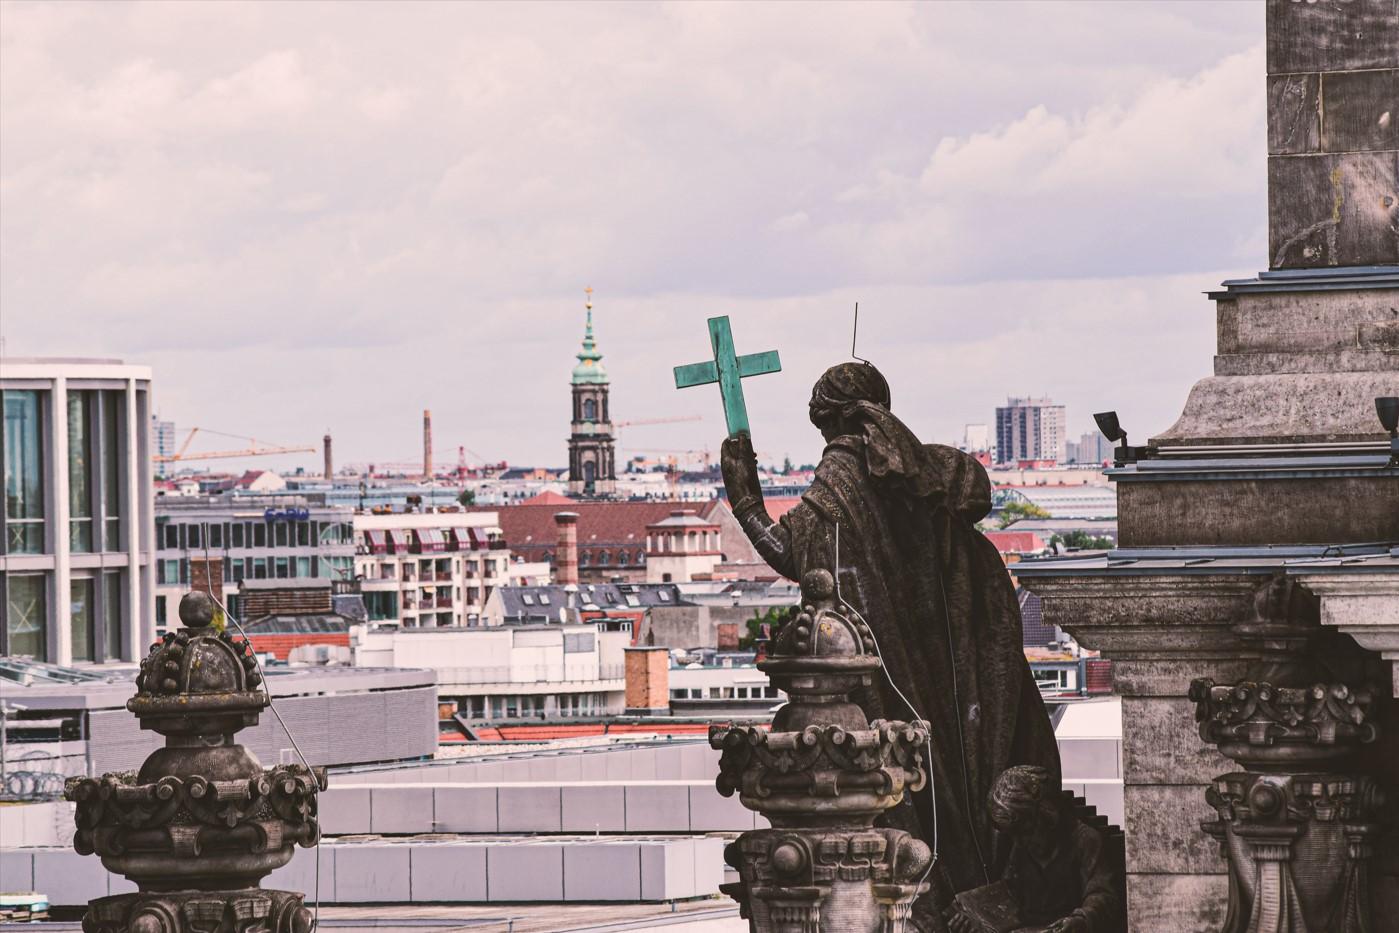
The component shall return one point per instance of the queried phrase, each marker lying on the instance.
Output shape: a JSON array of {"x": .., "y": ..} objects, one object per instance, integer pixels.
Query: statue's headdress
[{"x": 856, "y": 395}]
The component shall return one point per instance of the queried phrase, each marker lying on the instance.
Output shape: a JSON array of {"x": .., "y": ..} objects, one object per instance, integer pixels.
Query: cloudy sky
[{"x": 309, "y": 217}]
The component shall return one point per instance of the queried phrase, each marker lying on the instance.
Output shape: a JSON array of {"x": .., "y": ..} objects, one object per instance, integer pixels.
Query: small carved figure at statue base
[{"x": 1059, "y": 876}]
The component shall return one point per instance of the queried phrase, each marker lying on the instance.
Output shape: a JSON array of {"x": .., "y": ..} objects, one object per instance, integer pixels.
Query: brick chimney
[
  {"x": 566, "y": 557},
  {"x": 206, "y": 574},
  {"x": 648, "y": 681}
]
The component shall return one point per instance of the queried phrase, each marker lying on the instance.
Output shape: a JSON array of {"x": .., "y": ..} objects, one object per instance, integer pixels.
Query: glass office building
[{"x": 76, "y": 533}]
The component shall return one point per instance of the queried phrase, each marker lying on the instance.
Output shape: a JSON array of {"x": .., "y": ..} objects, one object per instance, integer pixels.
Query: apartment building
[
  {"x": 247, "y": 537},
  {"x": 1031, "y": 431},
  {"x": 429, "y": 569},
  {"x": 76, "y": 571}
]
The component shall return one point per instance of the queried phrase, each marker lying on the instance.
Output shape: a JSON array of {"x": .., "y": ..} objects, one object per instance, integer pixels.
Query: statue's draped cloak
[{"x": 945, "y": 615}]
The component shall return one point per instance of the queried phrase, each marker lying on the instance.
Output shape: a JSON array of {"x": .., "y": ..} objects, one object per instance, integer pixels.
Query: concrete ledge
[
  {"x": 549, "y": 807},
  {"x": 448, "y": 870}
]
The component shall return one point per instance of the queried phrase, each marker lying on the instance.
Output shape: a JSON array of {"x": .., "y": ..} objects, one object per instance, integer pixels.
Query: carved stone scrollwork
[
  {"x": 202, "y": 822},
  {"x": 821, "y": 776},
  {"x": 1296, "y": 826}
]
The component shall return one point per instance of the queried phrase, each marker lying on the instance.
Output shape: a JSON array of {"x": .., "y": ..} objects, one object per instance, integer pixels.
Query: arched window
[
  {"x": 589, "y": 410},
  {"x": 583, "y": 558},
  {"x": 603, "y": 558}
]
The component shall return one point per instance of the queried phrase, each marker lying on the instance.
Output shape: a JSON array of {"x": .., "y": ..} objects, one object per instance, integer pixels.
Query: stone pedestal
[
  {"x": 821, "y": 776},
  {"x": 202, "y": 822}
]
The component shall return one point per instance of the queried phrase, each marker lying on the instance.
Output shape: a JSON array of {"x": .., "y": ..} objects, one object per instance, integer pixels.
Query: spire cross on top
[{"x": 589, "y": 290}]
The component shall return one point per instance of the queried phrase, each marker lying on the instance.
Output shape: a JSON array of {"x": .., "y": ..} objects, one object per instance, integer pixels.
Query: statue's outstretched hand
[{"x": 739, "y": 466}]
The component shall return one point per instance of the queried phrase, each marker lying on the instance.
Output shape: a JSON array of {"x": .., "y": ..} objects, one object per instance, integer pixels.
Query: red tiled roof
[
  {"x": 779, "y": 506},
  {"x": 548, "y": 498},
  {"x": 1016, "y": 542},
  {"x": 545, "y": 731},
  {"x": 529, "y": 528},
  {"x": 281, "y": 644}
]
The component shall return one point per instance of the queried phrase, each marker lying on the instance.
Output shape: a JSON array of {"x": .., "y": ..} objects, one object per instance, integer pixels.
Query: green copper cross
[{"x": 727, "y": 369}]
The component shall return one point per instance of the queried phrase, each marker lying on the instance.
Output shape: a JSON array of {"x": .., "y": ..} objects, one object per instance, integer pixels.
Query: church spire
[{"x": 589, "y": 368}]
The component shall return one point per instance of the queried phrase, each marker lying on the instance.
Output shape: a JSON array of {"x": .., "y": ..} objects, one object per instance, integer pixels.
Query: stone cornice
[
  {"x": 1363, "y": 605},
  {"x": 1170, "y": 616}
]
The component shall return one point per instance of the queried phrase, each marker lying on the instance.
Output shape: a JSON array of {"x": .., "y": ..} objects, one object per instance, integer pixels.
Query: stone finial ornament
[
  {"x": 821, "y": 776},
  {"x": 202, "y": 822}
]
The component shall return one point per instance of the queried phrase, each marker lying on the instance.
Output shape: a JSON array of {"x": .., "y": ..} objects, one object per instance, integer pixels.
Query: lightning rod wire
[
  {"x": 267, "y": 691},
  {"x": 928, "y": 740}
]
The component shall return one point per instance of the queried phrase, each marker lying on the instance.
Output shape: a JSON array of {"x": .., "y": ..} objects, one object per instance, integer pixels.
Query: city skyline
[{"x": 299, "y": 235}]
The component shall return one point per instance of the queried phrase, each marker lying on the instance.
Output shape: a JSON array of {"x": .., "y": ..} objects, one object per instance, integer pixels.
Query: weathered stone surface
[
  {"x": 1281, "y": 409},
  {"x": 1164, "y": 678},
  {"x": 1333, "y": 133},
  {"x": 1344, "y": 510},
  {"x": 1177, "y": 903},
  {"x": 1333, "y": 209},
  {"x": 1360, "y": 111},
  {"x": 1308, "y": 325},
  {"x": 1294, "y": 113},
  {"x": 1163, "y": 830},
  {"x": 1169, "y": 617},
  {"x": 1161, "y": 744},
  {"x": 1333, "y": 35}
]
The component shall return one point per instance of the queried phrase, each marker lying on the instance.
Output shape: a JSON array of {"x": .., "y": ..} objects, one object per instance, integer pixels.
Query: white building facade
[
  {"x": 76, "y": 567},
  {"x": 511, "y": 672},
  {"x": 429, "y": 569}
]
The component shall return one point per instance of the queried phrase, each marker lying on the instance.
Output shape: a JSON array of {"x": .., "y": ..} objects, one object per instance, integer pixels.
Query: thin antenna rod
[{"x": 854, "y": 333}]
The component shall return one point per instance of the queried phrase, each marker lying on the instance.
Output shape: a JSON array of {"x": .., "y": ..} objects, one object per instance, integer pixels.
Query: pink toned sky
[{"x": 309, "y": 216}]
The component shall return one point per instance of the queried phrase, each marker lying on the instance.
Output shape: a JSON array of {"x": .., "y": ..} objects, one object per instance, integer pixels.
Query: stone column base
[{"x": 249, "y": 910}]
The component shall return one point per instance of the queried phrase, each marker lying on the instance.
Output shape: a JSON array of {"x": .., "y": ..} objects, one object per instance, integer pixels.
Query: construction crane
[
  {"x": 252, "y": 450},
  {"x": 678, "y": 419},
  {"x": 689, "y": 456}
]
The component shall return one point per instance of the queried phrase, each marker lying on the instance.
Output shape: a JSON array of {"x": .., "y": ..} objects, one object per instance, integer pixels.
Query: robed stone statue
[{"x": 935, "y": 592}]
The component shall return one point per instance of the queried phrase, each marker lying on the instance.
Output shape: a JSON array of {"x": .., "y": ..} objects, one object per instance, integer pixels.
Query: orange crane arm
[{"x": 246, "y": 452}]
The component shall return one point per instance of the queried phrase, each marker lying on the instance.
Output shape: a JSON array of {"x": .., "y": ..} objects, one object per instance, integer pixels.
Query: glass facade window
[
  {"x": 111, "y": 616},
  {"x": 26, "y": 609},
  {"x": 24, "y": 476},
  {"x": 259, "y": 535},
  {"x": 80, "y": 619},
  {"x": 237, "y": 534},
  {"x": 113, "y": 446},
  {"x": 80, "y": 479}
]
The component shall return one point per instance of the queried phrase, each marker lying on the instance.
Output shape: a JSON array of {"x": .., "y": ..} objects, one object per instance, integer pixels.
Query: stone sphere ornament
[{"x": 202, "y": 822}]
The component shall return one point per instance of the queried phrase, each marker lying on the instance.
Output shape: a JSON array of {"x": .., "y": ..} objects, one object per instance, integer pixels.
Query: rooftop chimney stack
[
  {"x": 566, "y": 557},
  {"x": 427, "y": 443},
  {"x": 329, "y": 465}
]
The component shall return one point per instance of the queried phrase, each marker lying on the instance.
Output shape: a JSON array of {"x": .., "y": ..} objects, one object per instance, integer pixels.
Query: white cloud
[{"x": 411, "y": 198}]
